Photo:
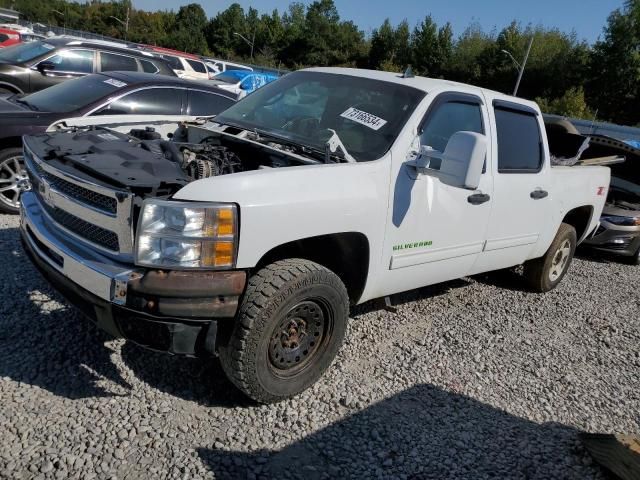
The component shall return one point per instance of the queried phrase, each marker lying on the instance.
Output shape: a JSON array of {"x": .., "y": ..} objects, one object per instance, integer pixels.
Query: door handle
[
  {"x": 539, "y": 194},
  {"x": 478, "y": 198}
]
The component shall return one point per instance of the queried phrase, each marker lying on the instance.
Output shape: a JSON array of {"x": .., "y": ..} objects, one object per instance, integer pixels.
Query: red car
[{"x": 10, "y": 37}]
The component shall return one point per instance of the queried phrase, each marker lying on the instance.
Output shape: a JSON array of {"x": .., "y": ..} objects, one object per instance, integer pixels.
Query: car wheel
[
  {"x": 289, "y": 329},
  {"x": 545, "y": 273},
  {"x": 13, "y": 179}
]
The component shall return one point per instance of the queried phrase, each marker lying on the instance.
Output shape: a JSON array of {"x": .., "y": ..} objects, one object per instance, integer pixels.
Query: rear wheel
[
  {"x": 545, "y": 273},
  {"x": 13, "y": 179},
  {"x": 290, "y": 327}
]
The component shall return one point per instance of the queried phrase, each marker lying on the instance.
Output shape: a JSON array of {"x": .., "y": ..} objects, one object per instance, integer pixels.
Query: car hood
[
  {"x": 16, "y": 113},
  {"x": 225, "y": 85}
]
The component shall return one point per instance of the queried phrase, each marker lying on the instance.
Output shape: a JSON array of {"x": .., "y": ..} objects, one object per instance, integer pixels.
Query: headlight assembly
[
  {"x": 622, "y": 221},
  {"x": 184, "y": 235}
]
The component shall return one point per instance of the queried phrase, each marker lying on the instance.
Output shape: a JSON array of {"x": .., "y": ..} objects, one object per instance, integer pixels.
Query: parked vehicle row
[
  {"x": 249, "y": 236},
  {"x": 30, "y": 67}
]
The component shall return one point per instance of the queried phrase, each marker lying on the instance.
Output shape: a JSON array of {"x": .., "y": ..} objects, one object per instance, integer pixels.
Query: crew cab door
[
  {"x": 436, "y": 231},
  {"x": 521, "y": 196}
]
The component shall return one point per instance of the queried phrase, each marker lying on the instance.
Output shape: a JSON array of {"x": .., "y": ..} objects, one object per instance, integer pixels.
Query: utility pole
[
  {"x": 124, "y": 23},
  {"x": 524, "y": 64},
  {"x": 251, "y": 43},
  {"x": 520, "y": 67}
]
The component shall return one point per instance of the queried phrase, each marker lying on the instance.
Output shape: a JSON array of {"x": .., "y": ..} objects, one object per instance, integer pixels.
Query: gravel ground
[{"x": 473, "y": 379}]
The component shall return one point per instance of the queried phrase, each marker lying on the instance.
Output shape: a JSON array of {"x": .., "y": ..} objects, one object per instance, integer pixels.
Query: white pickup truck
[{"x": 249, "y": 237}]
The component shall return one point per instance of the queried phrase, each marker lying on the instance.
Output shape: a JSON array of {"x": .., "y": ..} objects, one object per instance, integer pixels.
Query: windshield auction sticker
[{"x": 364, "y": 118}]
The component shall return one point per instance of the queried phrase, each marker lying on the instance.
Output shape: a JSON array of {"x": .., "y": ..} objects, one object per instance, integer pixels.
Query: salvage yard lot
[{"x": 476, "y": 378}]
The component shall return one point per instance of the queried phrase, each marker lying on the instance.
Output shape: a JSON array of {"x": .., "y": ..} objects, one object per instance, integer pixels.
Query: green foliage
[
  {"x": 576, "y": 77},
  {"x": 614, "y": 73},
  {"x": 572, "y": 104}
]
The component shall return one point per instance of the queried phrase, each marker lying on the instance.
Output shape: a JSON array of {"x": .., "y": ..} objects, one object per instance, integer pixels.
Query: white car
[
  {"x": 251, "y": 236},
  {"x": 220, "y": 66},
  {"x": 188, "y": 68}
]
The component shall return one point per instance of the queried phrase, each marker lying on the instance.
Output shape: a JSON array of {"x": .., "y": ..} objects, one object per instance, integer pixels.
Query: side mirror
[
  {"x": 44, "y": 66},
  {"x": 463, "y": 160}
]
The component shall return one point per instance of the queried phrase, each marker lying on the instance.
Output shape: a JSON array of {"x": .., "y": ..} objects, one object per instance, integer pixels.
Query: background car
[
  {"x": 9, "y": 37},
  {"x": 126, "y": 99},
  {"x": 619, "y": 231},
  {"x": 243, "y": 82},
  {"x": 219, "y": 66},
  {"x": 30, "y": 67},
  {"x": 185, "y": 65}
]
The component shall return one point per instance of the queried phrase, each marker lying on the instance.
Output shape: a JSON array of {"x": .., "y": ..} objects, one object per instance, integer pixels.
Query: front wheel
[
  {"x": 291, "y": 325},
  {"x": 13, "y": 179},
  {"x": 545, "y": 273}
]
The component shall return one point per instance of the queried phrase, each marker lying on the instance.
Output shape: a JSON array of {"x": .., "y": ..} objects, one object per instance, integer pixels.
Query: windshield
[
  {"x": 25, "y": 52},
  {"x": 367, "y": 114},
  {"x": 73, "y": 94}
]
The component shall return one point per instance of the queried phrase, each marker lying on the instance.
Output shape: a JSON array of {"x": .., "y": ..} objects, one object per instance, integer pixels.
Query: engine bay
[{"x": 144, "y": 163}]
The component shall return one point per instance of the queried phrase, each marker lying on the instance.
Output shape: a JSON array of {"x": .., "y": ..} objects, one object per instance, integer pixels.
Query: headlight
[
  {"x": 187, "y": 235},
  {"x": 622, "y": 221}
]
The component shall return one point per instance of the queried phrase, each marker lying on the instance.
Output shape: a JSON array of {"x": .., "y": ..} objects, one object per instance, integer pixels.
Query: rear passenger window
[
  {"x": 149, "y": 67},
  {"x": 197, "y": 66},
  {"x": 519, "y": 141},
  {"x": 206, "y": 104},
  {"x": 152, "y": 101},
  {"x": 110, "y": 62}
]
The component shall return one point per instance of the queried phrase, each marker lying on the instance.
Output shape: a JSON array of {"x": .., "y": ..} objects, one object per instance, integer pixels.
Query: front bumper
[
  {"x": 615, "y": 239},
  {"x": 175, "y": 312}
]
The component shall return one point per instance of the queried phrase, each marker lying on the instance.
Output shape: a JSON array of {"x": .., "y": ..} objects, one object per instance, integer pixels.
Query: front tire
[
  {"x": 13, "y": 180},
  {"x": 291, "y": 324},
  {"x": 545, "y": 273}
]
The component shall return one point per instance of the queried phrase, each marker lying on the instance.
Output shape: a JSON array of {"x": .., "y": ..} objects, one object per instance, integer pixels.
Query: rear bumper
[
  {"x": 175, "y": 312},
  {"x": 624, "y": 241}
]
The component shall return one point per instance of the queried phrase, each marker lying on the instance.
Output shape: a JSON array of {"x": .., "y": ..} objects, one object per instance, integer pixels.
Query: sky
[{"x": 585, "y": 17}]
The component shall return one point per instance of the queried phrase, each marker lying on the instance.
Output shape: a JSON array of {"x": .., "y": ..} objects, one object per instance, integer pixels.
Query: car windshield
[
  {"x": 25, "y": 52},
  {"x": 366, "y": 114},
  {"x": 73, "y": 94}
]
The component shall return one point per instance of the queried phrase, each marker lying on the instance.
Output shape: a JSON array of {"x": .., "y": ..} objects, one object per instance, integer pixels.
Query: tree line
[{"x": 565, "y": 74}]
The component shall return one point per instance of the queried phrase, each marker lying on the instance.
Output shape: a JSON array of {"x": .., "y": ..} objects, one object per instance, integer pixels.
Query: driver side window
[{"x": 445, "y": 120}]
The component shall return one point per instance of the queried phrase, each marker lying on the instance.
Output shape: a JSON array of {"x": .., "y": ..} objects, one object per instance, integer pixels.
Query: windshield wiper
[{"x": 333, "y": 144}]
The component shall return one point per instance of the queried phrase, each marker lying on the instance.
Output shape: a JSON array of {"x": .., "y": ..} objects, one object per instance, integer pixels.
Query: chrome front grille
[
  {"x": 97, "y": 200},
  {"x": 96, "y": 215},
  {"x": 93, "y": 233}
]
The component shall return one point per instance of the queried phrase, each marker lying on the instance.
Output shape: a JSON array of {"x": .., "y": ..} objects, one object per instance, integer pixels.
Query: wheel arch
[
  {"x": 10, "y": 142},
  {"x": 580, "y": 219},
  {"x": 10, "y": 87},
  {"x": 346, "y": 254}
]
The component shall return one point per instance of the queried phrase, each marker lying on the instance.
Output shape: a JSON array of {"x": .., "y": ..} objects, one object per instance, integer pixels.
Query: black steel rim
[{"x": 300, "y": 337}]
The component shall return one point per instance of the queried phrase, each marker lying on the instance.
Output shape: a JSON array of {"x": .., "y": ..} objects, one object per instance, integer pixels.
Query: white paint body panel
[{"x": 390, "y": 207}]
